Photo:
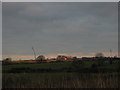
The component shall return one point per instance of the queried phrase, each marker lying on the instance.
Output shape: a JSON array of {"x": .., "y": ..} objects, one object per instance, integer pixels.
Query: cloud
[{"x": 54, "y": 28}]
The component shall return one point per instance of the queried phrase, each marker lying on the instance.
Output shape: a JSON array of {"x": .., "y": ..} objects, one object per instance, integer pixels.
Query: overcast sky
[{"x": 80, "y": 29}]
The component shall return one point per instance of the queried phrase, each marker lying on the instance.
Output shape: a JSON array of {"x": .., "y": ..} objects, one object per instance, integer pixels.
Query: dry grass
[{"x": 60, "y": 80}]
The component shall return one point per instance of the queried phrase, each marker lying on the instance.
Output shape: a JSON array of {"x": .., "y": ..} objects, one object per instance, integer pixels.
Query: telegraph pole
[{"x": 110, "y": 53}]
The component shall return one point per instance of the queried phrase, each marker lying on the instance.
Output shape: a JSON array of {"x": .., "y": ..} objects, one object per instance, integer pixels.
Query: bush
[{"x": 94, "y": 65}]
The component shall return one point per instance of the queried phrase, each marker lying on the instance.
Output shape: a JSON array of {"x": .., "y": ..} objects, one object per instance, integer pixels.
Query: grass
[
  {"x": 60, "y": 66},
  {"x": 38, "y": 66},
  {"x": 78, "y": 78},
  {"x": 60, "y": 80}
]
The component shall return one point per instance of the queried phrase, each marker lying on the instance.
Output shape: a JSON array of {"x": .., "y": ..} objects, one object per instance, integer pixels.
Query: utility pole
[
  {"x": 110, "y": 53},
  {"x": 34, "y": 52}
]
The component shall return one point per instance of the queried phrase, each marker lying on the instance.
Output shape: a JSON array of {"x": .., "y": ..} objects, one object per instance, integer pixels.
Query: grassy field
[
  {"x": 40, "y": 66},
  {"x": 61, "y": 75},
  {"x": 60, "y": 80},
  {"x": 60, "y": 67}
]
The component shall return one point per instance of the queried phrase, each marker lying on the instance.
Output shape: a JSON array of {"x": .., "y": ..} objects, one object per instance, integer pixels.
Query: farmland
[{"x": 87, "y": 74}]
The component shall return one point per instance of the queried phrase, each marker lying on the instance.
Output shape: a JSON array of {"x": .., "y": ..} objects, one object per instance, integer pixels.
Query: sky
[{"x": 67, "y": 28}]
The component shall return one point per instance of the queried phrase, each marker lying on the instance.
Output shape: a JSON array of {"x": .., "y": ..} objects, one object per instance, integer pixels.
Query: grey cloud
[{"x": 59, "y": 27}]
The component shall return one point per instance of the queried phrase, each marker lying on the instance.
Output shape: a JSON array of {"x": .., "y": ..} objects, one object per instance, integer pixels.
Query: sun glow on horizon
[{"x": 79, "y": 55}]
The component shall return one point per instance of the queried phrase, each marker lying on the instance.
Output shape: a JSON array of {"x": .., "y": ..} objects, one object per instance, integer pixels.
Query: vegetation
[
  {"x": 60, "y": 80},
  {"x": 77, "y": 74},
  {"x": 99, "y": 55},
  {"x": 77, "y": 66}
]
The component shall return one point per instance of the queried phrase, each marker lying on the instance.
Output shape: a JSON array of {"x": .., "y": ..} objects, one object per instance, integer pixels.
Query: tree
[
  {"x": 100, "y": 59},
  {"x": 7, "y": 60},
  {"x": 74, "y": 58},
  {"x": 40, "y": 58},
  {"x": 99, "y": 55}
]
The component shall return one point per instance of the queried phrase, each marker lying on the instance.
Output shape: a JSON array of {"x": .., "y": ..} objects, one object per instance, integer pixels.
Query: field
[{"x": 86, "y": 74}]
